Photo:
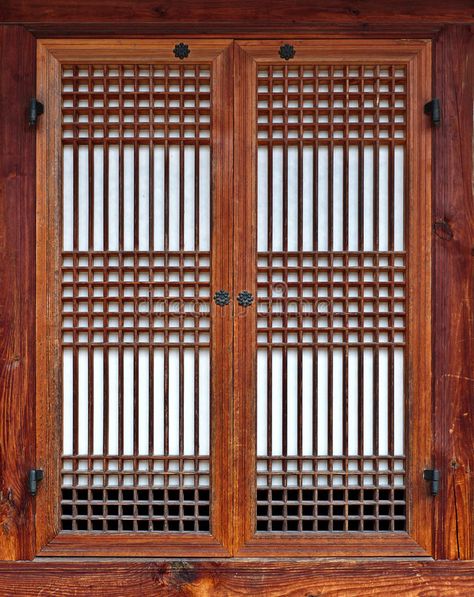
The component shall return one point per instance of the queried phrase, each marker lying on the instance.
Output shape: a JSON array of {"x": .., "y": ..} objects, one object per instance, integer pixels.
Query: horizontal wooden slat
[
  {"x": 181, "y": 545},
  {"x": 220, "y": 11},
  {"x": 302, "y": 577},
  {"x": 139, "y": 51}
]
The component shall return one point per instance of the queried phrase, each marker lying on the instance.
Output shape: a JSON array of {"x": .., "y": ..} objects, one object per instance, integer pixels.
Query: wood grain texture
[
  {"x": 134, "y": 51},
  {"x": 17, "y": 258},
  {"x": 221, "y": 268},
  {"x": 418, "y": 541},
  {"x": 418, "y": 358},
  {"x": 452, "y": 337},
  {"x": 247, "y": 15},
  {"x": 453, "y": 291},
  {"x": 244, "y": 279},
  {"x": 48, "y": 380},
  {"x": 272, "y": 579},
  {"x": 49, "y": 189}
]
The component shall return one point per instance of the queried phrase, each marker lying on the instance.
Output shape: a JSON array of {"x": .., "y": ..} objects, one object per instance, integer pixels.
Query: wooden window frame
[
  {"x": 232, "y": 256},
  {"x": 450, "y": 28}
]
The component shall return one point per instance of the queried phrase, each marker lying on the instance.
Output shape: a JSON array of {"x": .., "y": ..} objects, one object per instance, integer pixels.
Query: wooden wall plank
[
  {"x": 219, "y": 578},
  {"x": 222, "y": 11},
  {"x": 453, "y": 298},
  {"x": 17, "y": 284},
  {"x": 88, "y": 17}
]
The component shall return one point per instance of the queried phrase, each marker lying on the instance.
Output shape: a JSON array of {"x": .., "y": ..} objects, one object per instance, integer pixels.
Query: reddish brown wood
[
  {"x": 222, "y": 206},
  {"x": 453, "y": 333},
  {"x": 249, "y": 57},
  {"x": 224, "y": 579},
  {"x": 271, "y": 16},
  {"x": 17, "y": 280},
  {"x": 244, "y": 279},
  {"x": 214, "y": 58},
  {"x": 244, "y": 29},
  {"x": 453, "y": 324}
]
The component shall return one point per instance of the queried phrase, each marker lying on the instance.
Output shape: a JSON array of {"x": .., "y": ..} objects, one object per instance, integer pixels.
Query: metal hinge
[
  {"x": 433, "y": 108},
  {"x": 34, "y": 477},
  {"x": 36, "y": 109},
  {"x": 432, "y": 475}
]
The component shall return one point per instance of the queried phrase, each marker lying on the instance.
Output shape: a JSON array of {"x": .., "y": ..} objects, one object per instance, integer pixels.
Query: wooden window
[
  {"x": 132, "y": 239},
  {"x": 291, "y": 416},
  {"x": 335, "y": 212}
]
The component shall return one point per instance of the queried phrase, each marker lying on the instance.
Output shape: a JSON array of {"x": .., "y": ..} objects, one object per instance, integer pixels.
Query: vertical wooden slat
[
  {"x": 105, "y": 232},
  {"x": 151, "y": 247},
  {"x": 17, "y": 281},
  {"x": 48, "y": 321},
  {"x": 166, "y": 243},
  {"x": 360, "y": 246},
  {"x": 315, "y": 304},
  {"x": 90, "y": 275},
  {"x": 269, "y": 263},
  {"x": 391, "y": 259},
  {"x": 244, "y": 279},
  {"x": 453, "y": 334},
  {"x": 418, "y": 290},
  {"x": 222, "y": 271}
]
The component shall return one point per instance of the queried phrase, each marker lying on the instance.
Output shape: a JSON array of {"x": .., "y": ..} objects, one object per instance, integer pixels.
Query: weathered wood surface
[
  {"x": 17, "y": 287},
  {"x": 221, "y": 11},
  {"x": 453, "y": 293},
  {"x": 202, "y": 579},
  {"x": 150, "y": 16}
]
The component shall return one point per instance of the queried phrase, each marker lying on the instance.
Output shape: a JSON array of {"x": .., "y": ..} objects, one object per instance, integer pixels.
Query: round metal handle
[{"x": 245, "y": 298}]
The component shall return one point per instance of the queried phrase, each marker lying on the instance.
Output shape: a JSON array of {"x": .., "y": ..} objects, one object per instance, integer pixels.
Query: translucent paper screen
[
  {"x": 135, "y": 296},
  {"x": 331, "y": 298}
]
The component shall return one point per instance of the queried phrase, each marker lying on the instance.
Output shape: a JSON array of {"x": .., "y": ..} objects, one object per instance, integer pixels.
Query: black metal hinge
[
  {"x": 432, "y": 475},
  {"x": 36, "y": 108},
  {"x": 34, "y": 477},
  {"x": 433, "y": 108}
]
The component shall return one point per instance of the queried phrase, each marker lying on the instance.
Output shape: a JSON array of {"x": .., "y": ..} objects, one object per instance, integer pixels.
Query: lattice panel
[
  {"x": 332, "y": 300},
  {"x": 331, "y": 494},
  {"x": 143, "y": 299},
  {"x": 331, "y": 102},
  {"x": 136, "y": 274},
  {"x": 135, "y": 493},
  {"x": 136, "y": 103}
]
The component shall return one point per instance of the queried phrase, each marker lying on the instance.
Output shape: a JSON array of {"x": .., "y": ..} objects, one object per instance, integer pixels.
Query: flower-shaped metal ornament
[
  {"x": 181, "y": 51},
  {"x": 244, "y": 298}
]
